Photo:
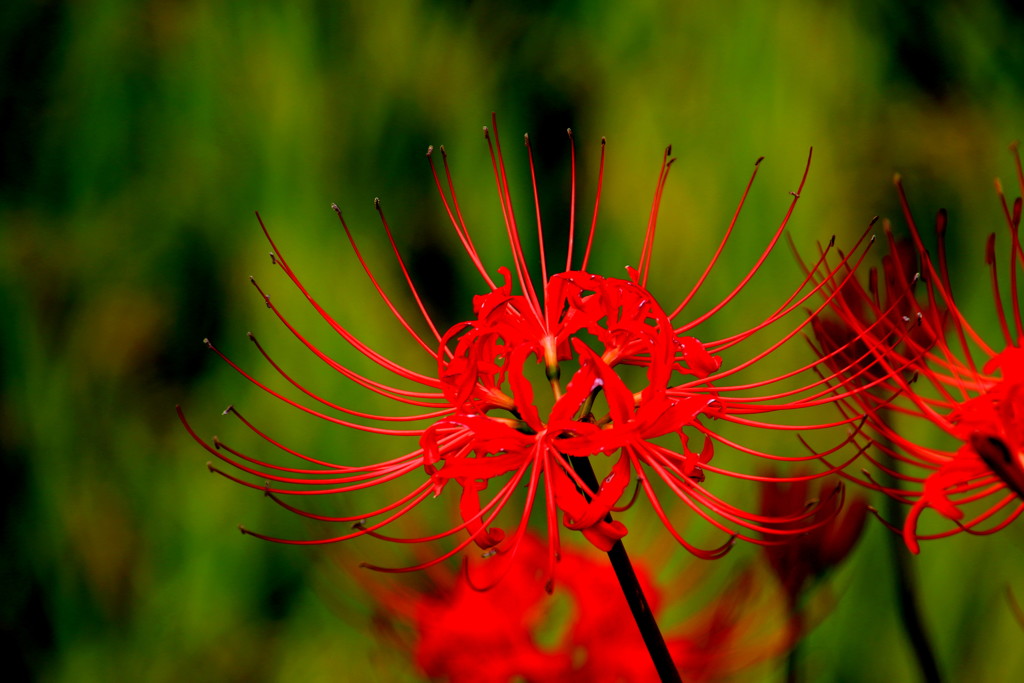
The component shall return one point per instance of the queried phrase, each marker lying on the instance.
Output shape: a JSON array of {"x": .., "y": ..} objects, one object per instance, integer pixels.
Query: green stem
[
  {"x": 793, "y": 658},
  {"x": 793, "y": 665},
  {"x": 906, "y": 594}
]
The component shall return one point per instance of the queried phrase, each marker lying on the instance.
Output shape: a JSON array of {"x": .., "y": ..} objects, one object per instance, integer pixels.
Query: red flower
[
  {"x": 517, "y": 631},
  {"x": 944, "y": 373},
  {"x": 879, "y": 318},
  {"x": 483, "y": 431},
  {"x": 806, "y": 558}
]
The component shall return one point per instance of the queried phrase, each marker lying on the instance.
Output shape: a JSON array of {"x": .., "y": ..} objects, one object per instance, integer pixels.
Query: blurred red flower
[
  {"x": 483, "y": 430},
  {"x": 516, "y": 631},
  {"x": 804, "y": 559},
  {"x": 943, "y": 373}
]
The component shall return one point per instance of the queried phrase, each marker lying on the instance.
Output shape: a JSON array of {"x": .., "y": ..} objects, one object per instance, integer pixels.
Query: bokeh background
[{"x": 139, "y": 136}]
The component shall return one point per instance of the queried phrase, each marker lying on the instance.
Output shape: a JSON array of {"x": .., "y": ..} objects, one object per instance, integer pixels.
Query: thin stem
[
  {"x": 631, "y": 589},
  {"x": 793, "y": 658},
  {"x": 906, "y": 595},
  {"x": 909, "y": 610},
  {"x": 793, "y": 665}
]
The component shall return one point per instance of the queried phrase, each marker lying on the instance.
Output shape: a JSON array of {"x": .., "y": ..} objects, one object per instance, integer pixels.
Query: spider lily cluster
[
  {"x": 944, "y": 374},
  {"x": 641, "y": 389}
]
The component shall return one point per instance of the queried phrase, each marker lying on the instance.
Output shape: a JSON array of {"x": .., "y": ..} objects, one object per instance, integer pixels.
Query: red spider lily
[
  {"x": 881, "y": 313},
  {"x": 946, "y": 374},
  {"x": 478, "y": 421},
  {"x": 806, "y": 558},
  {"x": 460, "y": 634}
]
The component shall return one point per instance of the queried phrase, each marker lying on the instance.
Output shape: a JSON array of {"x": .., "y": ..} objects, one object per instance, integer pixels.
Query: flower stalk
[
  {"x": 643, "y": 615},
  {"x": 909, "y": 609}
]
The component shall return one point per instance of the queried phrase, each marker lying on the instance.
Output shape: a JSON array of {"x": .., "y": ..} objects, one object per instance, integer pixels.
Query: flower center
[{"x": 605, "y": 348}]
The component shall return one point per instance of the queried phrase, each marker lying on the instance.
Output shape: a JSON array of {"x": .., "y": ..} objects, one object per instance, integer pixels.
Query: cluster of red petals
[
  {"x": 807, "y": 558},
  {"x": 485, "y": 377},
  {"x": 516, "y": 631},
  {"x": 483, "y": 428},
  {"x": 941, "y": 371}
]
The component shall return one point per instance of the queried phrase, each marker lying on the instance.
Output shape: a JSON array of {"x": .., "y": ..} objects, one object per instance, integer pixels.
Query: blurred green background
[{"x": 139, "y": 136}]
